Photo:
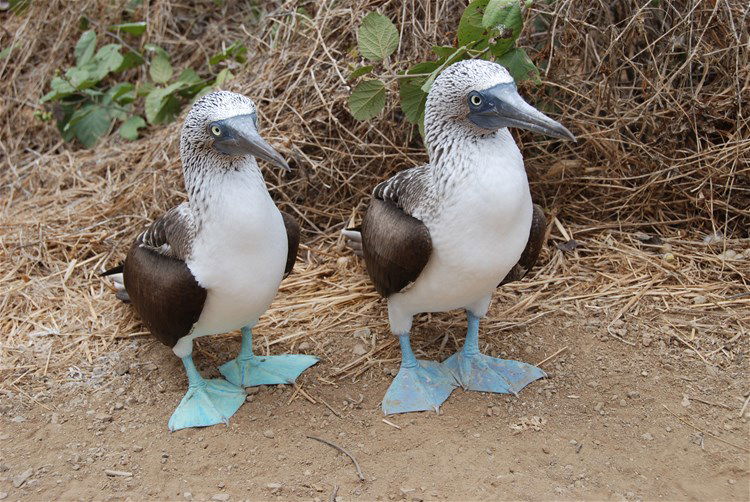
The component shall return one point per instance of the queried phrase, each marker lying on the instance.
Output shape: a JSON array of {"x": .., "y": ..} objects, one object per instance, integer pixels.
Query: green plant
[
  {"x": 92, "y": 96},
  {"x": 488, "y": 29}
]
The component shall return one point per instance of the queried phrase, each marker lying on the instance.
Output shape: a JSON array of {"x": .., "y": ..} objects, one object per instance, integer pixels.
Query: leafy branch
[
  {"x": 89, "y": 99},
  {"x": 488, "y": 29}
]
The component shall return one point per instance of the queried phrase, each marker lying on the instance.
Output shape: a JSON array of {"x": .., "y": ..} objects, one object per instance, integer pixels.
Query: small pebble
[
  {"x": 699, "y": 299},
  {"x": 268, "y": 433},
  {"x": 623, "y": 403},
  {"x": 3, "y": 495},
  {"x": 187, "y": 496},
  {"x": 633, "y": 394},
  {"x": 252, "y": 390},
  {"x": 359, "y": 350},
  {"x": 646, "y": 339},
  {"x": 685, "y": 401},
  {"x": 648, "y": 437},
  {"x": 221, "y": 497},
  {"x": 304, "y": 346},
  {"x": 19, "y": 480}
]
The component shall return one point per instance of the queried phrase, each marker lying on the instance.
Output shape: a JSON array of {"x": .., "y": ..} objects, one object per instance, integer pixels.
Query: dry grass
[{"x": 658, "y": 96}]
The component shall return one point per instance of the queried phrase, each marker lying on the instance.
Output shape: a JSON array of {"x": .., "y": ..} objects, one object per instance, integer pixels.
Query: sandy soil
[{"x": 611, "y": 422}]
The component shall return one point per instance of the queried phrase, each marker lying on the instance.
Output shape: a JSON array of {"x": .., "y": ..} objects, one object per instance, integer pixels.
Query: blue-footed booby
[
  {"x": 213, "y": 264},
  {"x": 444, "y": 235}
]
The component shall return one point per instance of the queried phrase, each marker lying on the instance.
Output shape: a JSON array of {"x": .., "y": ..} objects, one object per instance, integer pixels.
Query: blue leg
[
  {"x": 476, "y": 371},
  {"x": 207, "y": 402},
  {"x": 249, "y": 370},
  {"x": 419, "y": 385}
]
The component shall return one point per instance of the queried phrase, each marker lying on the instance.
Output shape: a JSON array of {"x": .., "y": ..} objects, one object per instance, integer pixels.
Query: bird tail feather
[
  {"x": 118, "y": 282},
  {"x": 353, "y": 238}
]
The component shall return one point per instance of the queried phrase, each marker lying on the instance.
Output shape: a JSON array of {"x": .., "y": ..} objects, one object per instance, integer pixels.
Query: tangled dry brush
[{"x": 650, "y": 209}]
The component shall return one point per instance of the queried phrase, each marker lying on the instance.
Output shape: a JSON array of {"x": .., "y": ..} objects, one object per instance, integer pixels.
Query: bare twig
[{"x": 332, "y": 445}]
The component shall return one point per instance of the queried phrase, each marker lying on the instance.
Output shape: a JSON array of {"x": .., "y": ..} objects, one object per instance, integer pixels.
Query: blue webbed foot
[
  {"x": 207, "y": 402},
  {"x": 476, "y": 371},
  {"x": 266, "y": 370},
  {"x": 418, "y": 388},
  {"x": 249, "y": 370},
  {"x": 483, "y": 373}
]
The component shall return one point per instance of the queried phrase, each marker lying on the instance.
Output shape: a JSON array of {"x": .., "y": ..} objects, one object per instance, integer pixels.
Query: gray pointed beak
[
  {"x": 239, "y": 136},
  {"x": 502, "y": 106}
]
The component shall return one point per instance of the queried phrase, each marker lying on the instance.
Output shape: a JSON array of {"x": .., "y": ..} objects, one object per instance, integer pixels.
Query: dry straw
[{"x": 657, "y": 93}]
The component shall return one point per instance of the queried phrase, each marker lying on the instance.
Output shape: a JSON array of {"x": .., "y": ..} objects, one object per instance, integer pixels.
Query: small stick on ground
[
  {"x": 334, "y": 493},
  {"x": 704, "y": 432},
  {"x": 332, "y": 445},
  {"x": 120, "y": 474},
  {"x": 333, "y": 410},
  {"x": 744, "y": 406},
  {"x": 553, "y": 355},
  {"x": 392, "y": 424}
]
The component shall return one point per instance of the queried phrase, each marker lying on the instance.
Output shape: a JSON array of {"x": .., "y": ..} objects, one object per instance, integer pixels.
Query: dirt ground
[{"x": 612, "y": 421}]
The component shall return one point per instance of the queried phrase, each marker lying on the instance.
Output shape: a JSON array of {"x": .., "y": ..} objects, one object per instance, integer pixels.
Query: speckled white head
[
  {"x": 220, "y": 131},
  {"x": 474, "y": 98}
]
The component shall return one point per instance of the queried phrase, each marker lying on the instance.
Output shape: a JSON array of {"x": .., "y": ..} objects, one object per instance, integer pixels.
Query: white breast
[
  {"x": 239, "y": 254},
  {"x": 479, "y": 229}
]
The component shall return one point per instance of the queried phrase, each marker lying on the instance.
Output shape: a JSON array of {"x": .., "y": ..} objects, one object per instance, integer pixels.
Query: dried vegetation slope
[{"x": 659, "y": 95}]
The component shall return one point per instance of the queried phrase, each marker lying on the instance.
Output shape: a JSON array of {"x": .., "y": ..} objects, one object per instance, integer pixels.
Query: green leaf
[
  {"x": 130, "y": 60},
  {"x": 206, "y": 90},
  {"x": 89, "y": 124},
  {"x": 443, "y": 51},
  {"x": 505, "y": 20},
  {"x": 129, "y": 128},
  {"x": 137, "y": 29},
  {"x": 520, "y": 65},
  {"x": 144, "y": 89},
  {"x": 189, "y": 77},
  {"x": 470, "y": 29},
  {"x": 224, "y": 76},
  {"x": 156, "y": 49},
  {"x": 85, "y": 46},
  {"x": 122, "y": 94},
  {"x": 80, "y": 78},
  {"x": 377, "y": 37},
  {"x": 367, "y": 99},
  {"x": 60, "y": 88},
  {"x": 361, "y": 71},
  {"x": 413, "y": 99},
  {"x": 160, "y": 69},
  {"x": 108, "y": 58},
  {"x": 236, "y": 51},
  {"x": 161, "y": 104}
]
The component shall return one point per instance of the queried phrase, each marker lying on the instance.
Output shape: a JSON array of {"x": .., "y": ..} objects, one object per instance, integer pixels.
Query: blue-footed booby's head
[
  {"x": 482, "y": 96},
  {"x": 224, "y": 124}
]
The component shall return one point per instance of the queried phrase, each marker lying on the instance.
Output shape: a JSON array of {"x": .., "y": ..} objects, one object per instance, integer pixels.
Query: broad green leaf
[
  {"x": 361, "y": 71},
  {"x": 60, "y": 89},
  {"x": 206, "y": 90},
  {"x": 413, "y": 99},
  {"x": 520, "y": 65},
  {"x": 85, "y": 46},
  {"x": 108, "y": 57},
  {"x": 161, "y": 104},
  {"x": 136, "y": 29},
  {"x": 160, "y": 69},
  {"x": 470, "y": 29},
  {"x": 377, "y": 37},
  {"x": 224, "y": 76},
  {"x": 80, "y": 78},
  {"x": 505, "y": 20},
  {"x": 129, "y": 128},
  {"x": 122, "y": 94},
  {"x": 89, "y": 124},
  {"x": 189, "y": 77},
  {"x": 457, "y": 54},
  {"x": 144, "y": 89},
  {"x": 424, "y": 67},
  {"x": 443, "y": 51},
  {"x": 130, "y": 60},
  {"x": 367, "y": 99}
]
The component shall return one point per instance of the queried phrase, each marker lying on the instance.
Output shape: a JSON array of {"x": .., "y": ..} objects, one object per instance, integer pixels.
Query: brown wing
[
  {"x": 292, "y": 235},
  {"x": 533, "y": 247},
  {"x": 396, "y": 246},
  {"x": 160, "y": 285}
]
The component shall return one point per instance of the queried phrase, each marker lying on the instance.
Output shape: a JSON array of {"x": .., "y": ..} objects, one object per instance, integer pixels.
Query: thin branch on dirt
[
  {"x": 704, "y": 432},
  {"x": 710, "y": 403},
  {"x": 391, "y": 424},
  {"x": 332, "y": 445},
  {"x": 744, "y": 406},
  {"x": 333, "y": 410},
  {"x": 334, "y": 493},
  {"x": 546, "y": 359}
]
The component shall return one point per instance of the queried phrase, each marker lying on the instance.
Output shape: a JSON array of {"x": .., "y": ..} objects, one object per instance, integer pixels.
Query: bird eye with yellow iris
[{"x": 216, "y": 130}]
